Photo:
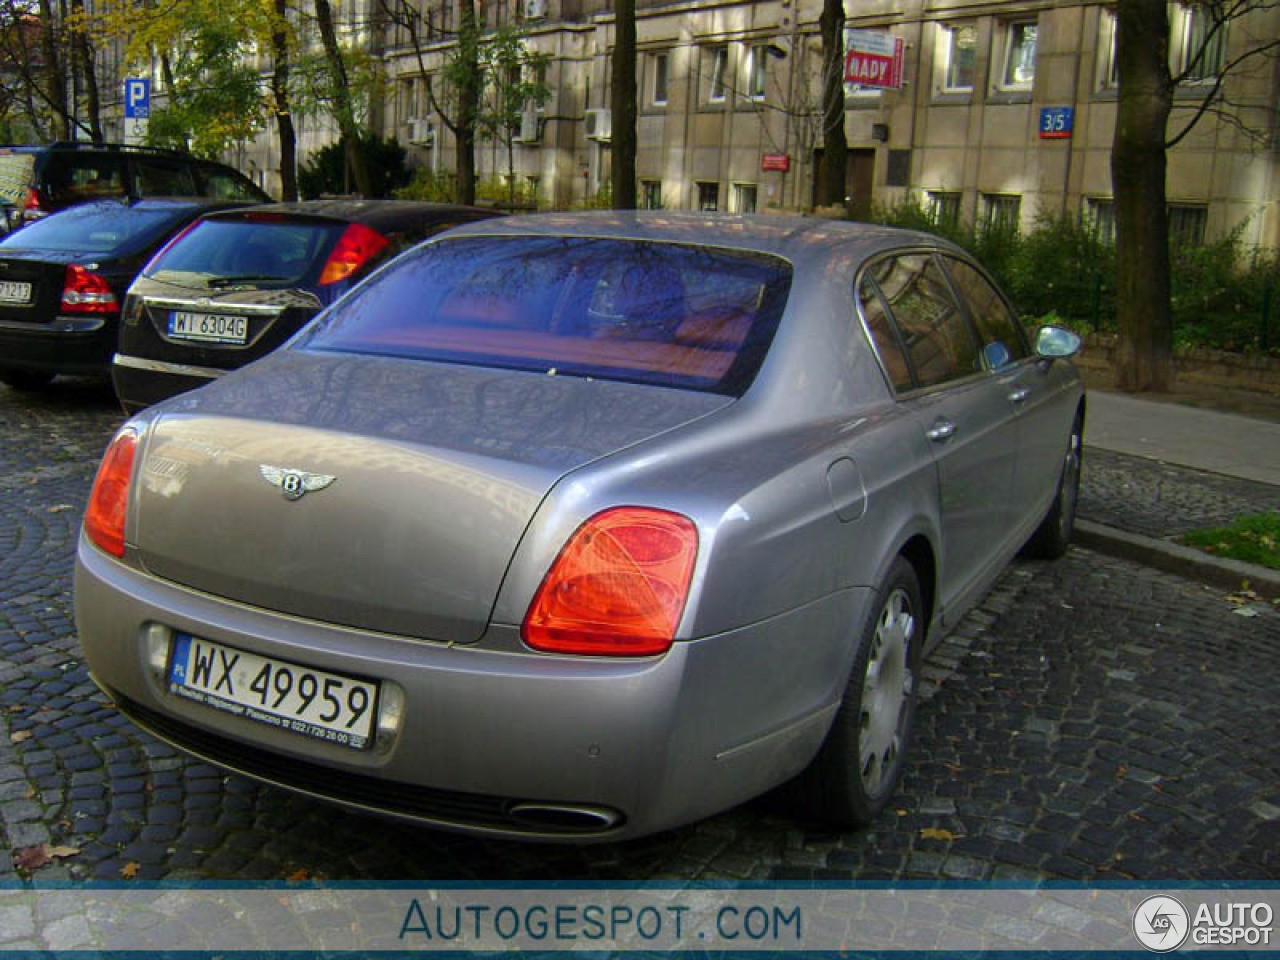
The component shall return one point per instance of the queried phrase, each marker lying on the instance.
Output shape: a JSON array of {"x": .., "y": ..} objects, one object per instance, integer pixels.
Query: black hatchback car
[
  {"x": 63, "y": 280},
  {"x": 240, "y": 283}
]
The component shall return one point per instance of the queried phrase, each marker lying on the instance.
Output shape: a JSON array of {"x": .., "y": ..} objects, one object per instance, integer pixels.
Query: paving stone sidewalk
[
  {"x": 1163, "y": 500},
  {"x": 1091, "y": 719}
]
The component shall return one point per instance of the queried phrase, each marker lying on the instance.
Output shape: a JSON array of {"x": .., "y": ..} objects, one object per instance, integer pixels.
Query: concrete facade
[{"x": 723, "y": 84}]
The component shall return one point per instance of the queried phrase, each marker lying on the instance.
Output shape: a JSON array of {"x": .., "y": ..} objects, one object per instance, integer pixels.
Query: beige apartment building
[{"x": 729, "y": 93}]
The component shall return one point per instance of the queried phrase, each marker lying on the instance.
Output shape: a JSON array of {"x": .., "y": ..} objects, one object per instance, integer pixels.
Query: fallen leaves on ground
[
  {"x": 33, "y": 858},
  {"x": 61, "y": 508},
  {"x": 937, "y": 833},
  {"x": 19, "y": 736},
  {"x": 130, "y": 869},
  {"x": 301, "y": 875}
]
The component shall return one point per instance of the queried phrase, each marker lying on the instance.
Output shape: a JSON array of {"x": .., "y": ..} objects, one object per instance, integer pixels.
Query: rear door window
[
  {"x": 934, "y": 330},
  {"x": 156, "y": 177},
  {"x": 71, "y": 178},
  {"x": 227, "y": 185},
  {"x": 659, "y": 313}
]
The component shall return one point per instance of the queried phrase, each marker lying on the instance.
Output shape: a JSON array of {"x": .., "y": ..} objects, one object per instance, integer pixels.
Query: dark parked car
[
  {"x": 240, "y": 283},
  {"x": 585, "y": 526},
  {"x": 38, "y": 180},
  {"x": 63, "y": 279}
]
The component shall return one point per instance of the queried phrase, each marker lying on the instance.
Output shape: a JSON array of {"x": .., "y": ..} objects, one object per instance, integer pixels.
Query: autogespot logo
[{"x": 1161, "y": 923}]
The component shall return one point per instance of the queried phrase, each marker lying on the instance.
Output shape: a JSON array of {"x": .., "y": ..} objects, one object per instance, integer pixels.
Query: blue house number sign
[{"x": 1056, "y": 123}]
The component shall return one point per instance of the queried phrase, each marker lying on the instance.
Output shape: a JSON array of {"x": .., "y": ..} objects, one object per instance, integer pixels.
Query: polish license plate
[
  {"x": 315, "y": 703},
  {"x": 12, "y": 291},
  {"x": 209, "y": 327}
]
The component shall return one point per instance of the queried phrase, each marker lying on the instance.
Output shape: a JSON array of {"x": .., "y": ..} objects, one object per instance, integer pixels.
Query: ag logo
[{"x": 1161, "y": 923}]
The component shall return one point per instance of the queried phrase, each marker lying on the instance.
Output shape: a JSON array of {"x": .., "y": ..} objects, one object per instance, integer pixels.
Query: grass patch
[{"x": 1252, "y": 539}]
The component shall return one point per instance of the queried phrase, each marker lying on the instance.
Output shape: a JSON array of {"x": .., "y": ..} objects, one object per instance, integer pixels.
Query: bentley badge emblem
[{"x": 294, "y": 483}]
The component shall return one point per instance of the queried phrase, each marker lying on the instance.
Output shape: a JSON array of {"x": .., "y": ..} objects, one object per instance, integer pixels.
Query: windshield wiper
[{"x": 216, "y": 282}]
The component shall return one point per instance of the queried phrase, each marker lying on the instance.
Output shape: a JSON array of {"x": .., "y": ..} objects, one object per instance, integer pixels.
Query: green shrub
[
  {"x": 325, "y": 172},
  {"x": 436, "y": 186}
]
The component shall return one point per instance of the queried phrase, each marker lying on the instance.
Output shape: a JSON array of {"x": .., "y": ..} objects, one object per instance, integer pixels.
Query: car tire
[
  {"x": 26, "y": 379},
  {"x": 857, "y": 768},
  {"x": 1053, "y": 536}
]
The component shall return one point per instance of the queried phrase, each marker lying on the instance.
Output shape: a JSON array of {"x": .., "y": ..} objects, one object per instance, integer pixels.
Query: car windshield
[
  {"x": 110, "y": 228},
  {"x": 250, "y": 250},
  {"x": 661, "y": 313}
]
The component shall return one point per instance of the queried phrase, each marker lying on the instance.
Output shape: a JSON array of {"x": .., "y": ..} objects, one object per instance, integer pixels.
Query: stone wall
[{"x": 1218, "y": 368}]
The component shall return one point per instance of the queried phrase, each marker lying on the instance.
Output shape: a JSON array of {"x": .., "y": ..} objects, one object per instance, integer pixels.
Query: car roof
[
  {"x": 379, "y": 214},
  {"x": 794, "y": 238}
]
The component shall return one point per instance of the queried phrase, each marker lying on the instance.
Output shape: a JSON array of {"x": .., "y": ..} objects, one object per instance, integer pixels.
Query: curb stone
[{"x": 1175, "y": 558}]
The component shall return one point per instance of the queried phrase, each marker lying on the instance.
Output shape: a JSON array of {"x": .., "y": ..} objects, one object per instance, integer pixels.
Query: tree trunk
[
  {"x": 622, "y": 106},
  {"x": 344, "y": 111},
  {"x": 835, "y": 146},
  {"x": 280, "y": 96},
  {"x": 55, "y": 77},
  {"x": 1143, "y": 316},
  {"x": 84, "y": 57},
  {"x": 468, "y": 101}
]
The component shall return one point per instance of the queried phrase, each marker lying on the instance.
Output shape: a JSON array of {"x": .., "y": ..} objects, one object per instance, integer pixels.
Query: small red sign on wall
[{"x": 776, "y": 161}]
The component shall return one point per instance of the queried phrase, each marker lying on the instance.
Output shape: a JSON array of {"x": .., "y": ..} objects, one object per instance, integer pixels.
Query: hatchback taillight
[
  {"x": 355, "y": 248},
  {"x": 618, "y": 588},
  {"x": 109, "y": 500},
  {"x": 84, "y": 291}
]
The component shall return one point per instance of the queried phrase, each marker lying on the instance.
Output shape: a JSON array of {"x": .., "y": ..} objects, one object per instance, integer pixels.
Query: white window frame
[
  {"x": 1183, "y": 44},
  {"x": 1100, "y": 214},
  {"x": 1108, "y": 73},
  {"x": 645, "y": 187},
  {"x": 718, "y": 74},
  {"x": 698, "y": 186},
  {"x": 940, "y": 200},
  {"x": 659, "y": 69},
  {"x": 991, "y": 204},
  {"x": 736, "y": 197},
  {"x": 757, "y": 70},
  {"x": 1009, "y": 30},
  {"x": 946, "y": 56}
]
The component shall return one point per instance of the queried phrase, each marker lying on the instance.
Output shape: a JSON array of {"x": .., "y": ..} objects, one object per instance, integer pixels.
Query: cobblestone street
[{"x": 1092, "y": 719}]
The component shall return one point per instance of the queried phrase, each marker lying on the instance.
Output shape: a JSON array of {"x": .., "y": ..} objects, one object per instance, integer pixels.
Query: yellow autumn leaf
[
  {"x": 19, "y": 736},
  {"x": 936, "y": 833},
  {"x": 130, "y": 869}
]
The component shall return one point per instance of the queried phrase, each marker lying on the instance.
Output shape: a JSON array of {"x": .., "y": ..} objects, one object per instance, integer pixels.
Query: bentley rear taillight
[
  {"x": 109, "y": 500},
  {"x": 618, "y": 588}
]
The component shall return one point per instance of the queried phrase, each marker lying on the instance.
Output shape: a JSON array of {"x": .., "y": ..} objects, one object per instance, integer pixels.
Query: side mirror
[{"x": 1055, "y": 343}]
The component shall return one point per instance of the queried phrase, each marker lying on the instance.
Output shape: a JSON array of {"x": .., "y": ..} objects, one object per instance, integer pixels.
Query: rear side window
[
  {"x": 267, "y": 252},
  {"x": 658, "y": 313},
  {"x": 16, "y": 174},
  {"x": 227, "y": 185},
  {"x": 71, "y": 178},
  {"x": 886, "y": 342},
  {"x": 935, "y": 333},
  {"x": 163, "y": 178},
  {"x": 96, "y": 228}
]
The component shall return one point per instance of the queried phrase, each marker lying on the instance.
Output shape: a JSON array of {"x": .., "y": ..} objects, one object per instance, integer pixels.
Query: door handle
[
  {"x": 1020, "y": 394},
  {"x": 940, "y": 431}
]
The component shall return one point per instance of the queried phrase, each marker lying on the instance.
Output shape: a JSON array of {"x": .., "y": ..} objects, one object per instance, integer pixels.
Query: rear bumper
[
  {"x": 140, "y": 382},
  {"x": 63, "y": 345},
  {"x": 492, "y": 731}
]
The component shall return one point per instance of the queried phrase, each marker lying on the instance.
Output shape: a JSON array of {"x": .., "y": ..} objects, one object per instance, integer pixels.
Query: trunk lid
[{"x": 437, "y": 471}]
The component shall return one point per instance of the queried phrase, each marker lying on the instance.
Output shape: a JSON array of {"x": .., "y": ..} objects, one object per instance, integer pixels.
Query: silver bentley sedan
[{"x": 581, "y": 527}]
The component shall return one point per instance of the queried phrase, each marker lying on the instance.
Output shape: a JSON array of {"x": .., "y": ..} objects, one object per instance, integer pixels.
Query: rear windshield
[
  {"x": 258, "y": 251},
  {"x": 659, "y": 313},
  {"x": 97, "y": 229},
  {"x": 16, "y": 175}
]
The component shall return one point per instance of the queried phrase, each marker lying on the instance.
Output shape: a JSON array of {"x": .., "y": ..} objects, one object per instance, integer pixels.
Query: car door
[
  {"x": 1035, "y": 400},
  {"x": 961, "y": 409}
]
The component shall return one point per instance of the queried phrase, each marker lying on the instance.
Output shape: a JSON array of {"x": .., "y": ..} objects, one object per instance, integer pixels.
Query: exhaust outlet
[{"x": 564, "y": 817}]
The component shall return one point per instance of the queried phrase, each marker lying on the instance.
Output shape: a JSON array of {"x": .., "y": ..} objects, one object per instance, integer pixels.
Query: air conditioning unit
[
  {"x": 535, "y": 9},
  {"x": 530, "y": 127},
  {"x": 422, "y": 133},
  {"x": 599, "y": 124}
]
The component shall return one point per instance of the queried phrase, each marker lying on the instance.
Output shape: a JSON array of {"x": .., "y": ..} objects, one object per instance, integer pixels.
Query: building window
[
  {"x": 1019, "y": 56},
  {"x": 718, "y": 74},
  {"x": 744, "y": 198},
  {"x": 658, "y": 63},
  {"x": 1199, "y": 43},
  {"x": 708, "y": 197},
  {"x": 944, "y": 208},
  {"x": 1108, "y": 72},
  {"x": 958, "y": 47},
  {"x": 758, "y": 70},
  {"x": 650, "y": 194},
  {"x": 1186, "y": 224},
  {"x": 1101, "y": 213},
  {"x": 1001, "y": 211}
]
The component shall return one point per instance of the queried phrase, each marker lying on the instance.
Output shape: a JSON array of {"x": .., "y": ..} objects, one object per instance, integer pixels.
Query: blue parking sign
[{"x": 137, "y": 98}]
